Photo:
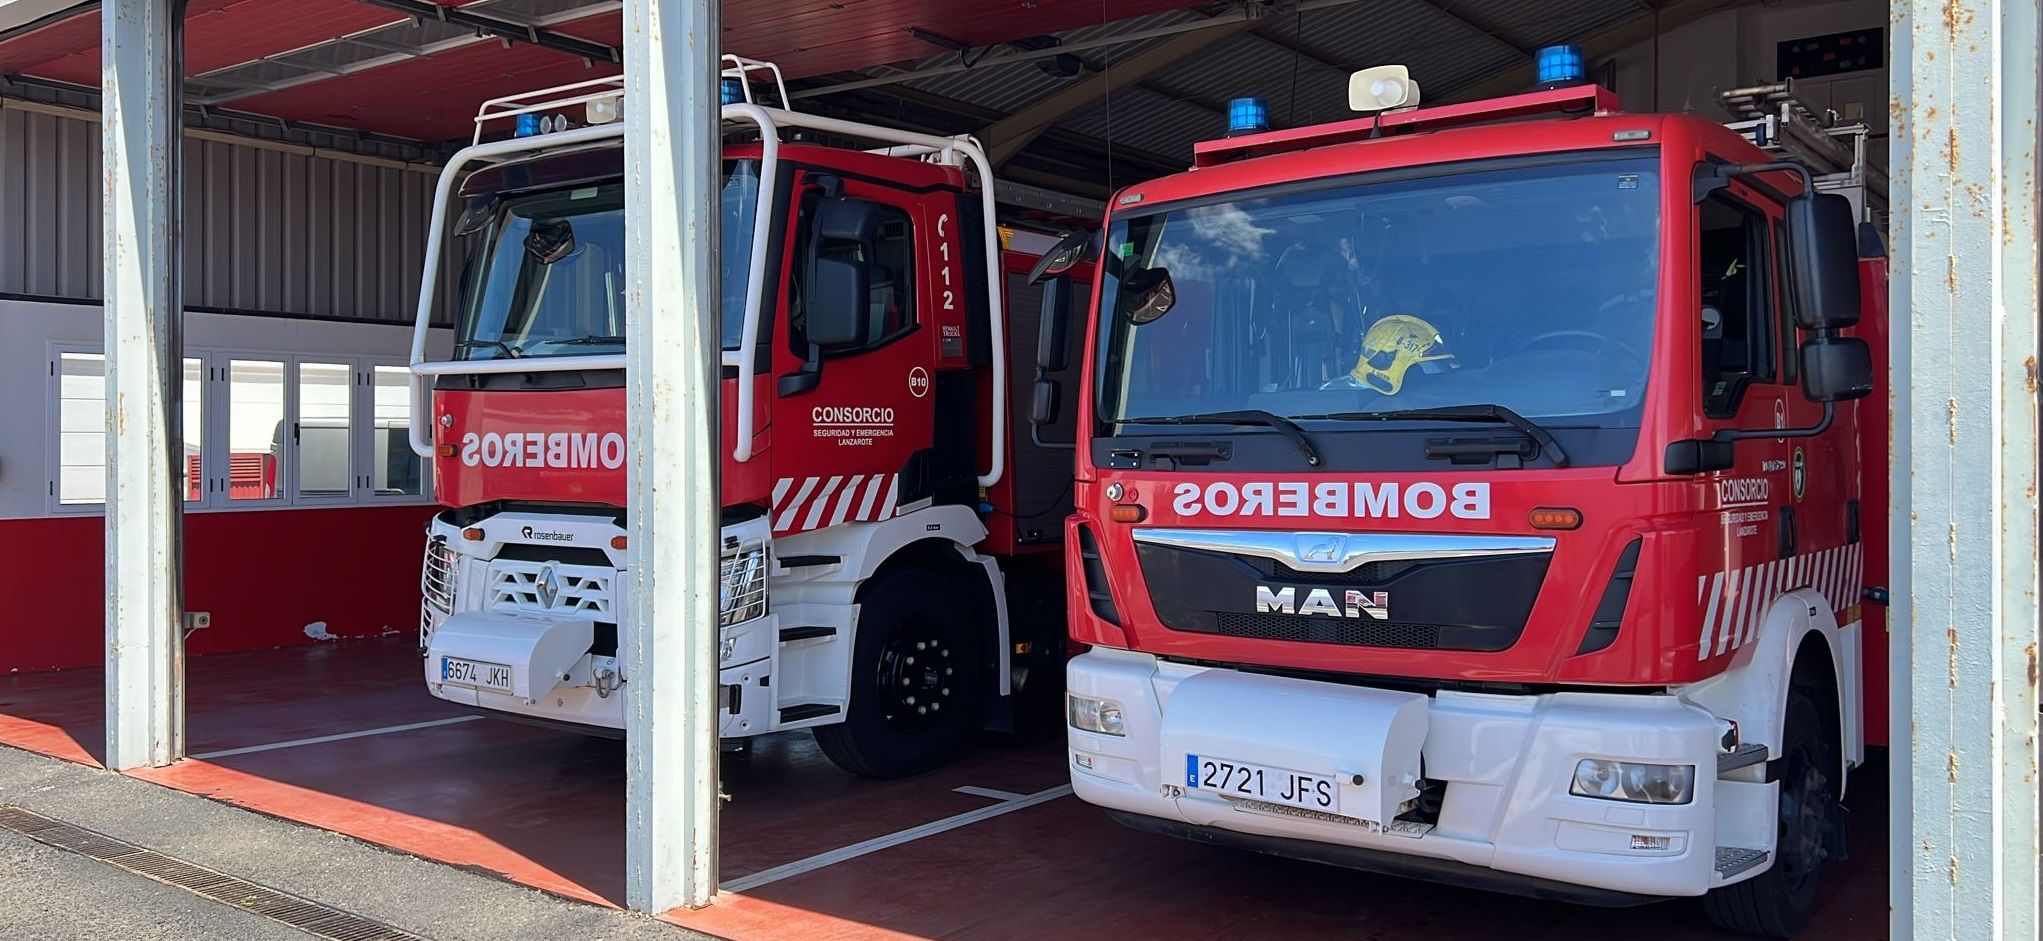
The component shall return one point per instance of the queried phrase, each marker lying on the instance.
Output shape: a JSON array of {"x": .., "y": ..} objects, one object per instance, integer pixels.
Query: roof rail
[
  {"x": 561, "y": 98},
  {"x": 1573, "y": 98}
]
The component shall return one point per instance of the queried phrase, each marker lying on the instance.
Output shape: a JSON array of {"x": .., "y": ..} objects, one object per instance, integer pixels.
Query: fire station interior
[{"x": 315, "y": 130}]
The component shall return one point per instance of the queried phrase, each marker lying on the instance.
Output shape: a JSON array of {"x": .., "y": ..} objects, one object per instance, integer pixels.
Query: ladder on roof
[{"x": 1779, "y": 123}]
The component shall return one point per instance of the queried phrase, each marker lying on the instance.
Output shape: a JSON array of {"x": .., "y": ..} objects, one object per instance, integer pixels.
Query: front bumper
[
  {"x": 546, "y": 641},
  {"x": 1506, "y": 819}
]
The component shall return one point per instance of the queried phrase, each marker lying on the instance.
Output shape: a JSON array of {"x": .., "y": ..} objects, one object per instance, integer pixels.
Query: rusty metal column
[
  {"x": 1964, "y": 837},
  {"x": 672, "y": 171},
  {"x": 141, "y": 135}
]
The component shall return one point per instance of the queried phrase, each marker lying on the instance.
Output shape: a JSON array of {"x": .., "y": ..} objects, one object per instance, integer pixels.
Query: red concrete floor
[{"x": 545, "y": 809}]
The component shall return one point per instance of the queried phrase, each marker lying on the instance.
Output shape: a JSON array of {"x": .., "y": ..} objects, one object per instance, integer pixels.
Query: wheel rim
[
  {"x": 1804, "y": 820},
  {"x": 918, "y": 677}
]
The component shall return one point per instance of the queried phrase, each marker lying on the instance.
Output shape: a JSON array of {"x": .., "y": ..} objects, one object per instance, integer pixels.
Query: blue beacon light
[
  {"x": 1561, "y": 65},
  {"x": 1247, "y": 116},
  {"x": 732, "y": 92},
  {"x": 528, "y": 125}
]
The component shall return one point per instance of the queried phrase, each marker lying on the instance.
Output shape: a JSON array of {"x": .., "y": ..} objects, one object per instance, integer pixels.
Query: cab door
[
  {"x": 851, "y": 391},
  {"x": 1739, "y": 300}
]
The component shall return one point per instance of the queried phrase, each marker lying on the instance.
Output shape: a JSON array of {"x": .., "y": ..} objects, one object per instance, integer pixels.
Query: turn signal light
[
  {"x": 445, "y": 450},
  {"x": 619, "y": 542},
  {"x": 472, "y": 534},
  {"x": 1556, "y": 517},
  {"x": 1127, "y": 513}
]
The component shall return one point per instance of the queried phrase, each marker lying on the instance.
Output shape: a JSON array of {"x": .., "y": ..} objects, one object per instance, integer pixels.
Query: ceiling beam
[
  {"x": 1598, "y": 46},
  {"x": 504, "y": 28},
  {"x": 1006, "y": 137},
  {"x": 1477, "y": 26}
]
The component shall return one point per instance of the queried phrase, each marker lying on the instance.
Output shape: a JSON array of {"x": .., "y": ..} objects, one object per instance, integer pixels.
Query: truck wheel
[
  {"x": 1778, "y": 902},
  {"x": 916, "y": 671}
]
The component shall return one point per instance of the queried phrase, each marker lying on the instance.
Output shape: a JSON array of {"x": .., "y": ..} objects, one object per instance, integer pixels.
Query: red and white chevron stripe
[
  {"x": 801, "y": 504},
  {"x": 1735, "y": 603}
]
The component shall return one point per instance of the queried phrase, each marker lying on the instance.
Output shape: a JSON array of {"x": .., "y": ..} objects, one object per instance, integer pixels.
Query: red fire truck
[
  {"x": 1484, "y": 493},
  {"x": 890, "y": 577}
]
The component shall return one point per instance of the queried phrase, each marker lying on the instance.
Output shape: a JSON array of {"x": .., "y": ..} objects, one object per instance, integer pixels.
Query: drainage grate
[{"x": 313, "y": 918}]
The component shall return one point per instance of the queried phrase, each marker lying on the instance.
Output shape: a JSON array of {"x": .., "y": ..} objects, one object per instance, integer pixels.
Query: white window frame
[{"x": 215, "y": 416}]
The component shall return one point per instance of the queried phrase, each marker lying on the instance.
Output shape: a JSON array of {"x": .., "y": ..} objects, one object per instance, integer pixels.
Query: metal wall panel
[{"x": 265, "y": 229}]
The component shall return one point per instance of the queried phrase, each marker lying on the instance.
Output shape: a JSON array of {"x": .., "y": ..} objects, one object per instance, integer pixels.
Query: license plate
[
  {"x": 1259, "y": 782},
  {"x": 475, "y": 673}
]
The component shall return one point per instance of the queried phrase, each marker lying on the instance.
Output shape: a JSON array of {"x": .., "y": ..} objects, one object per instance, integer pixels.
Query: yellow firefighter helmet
[{"x": 1394, "y": 345}]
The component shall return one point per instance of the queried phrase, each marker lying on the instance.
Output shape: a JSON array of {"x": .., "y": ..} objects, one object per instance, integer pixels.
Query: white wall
[{"x": 29, "y": 406}]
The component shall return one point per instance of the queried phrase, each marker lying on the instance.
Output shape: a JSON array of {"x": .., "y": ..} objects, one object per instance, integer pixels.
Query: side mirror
[
  {"x": 1836, "y": 369},
  {"x": 1043, "y": 402},
  {"x": 843, "y": 219},
  {"x": 1054, "y": 332},
  {"x": 1146, "y": 294},
  {"x": 839, "y": 302},
  {"x": 1823, "y": 240},
  {"x": 1700, "y": 455},
  {"x": 1062, "y": 257}
]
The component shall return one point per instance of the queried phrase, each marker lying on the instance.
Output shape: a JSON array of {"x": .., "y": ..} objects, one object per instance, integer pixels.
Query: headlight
[
  {"x": 741, "y": 591},
  {"x": 1633, "y": 781},
  {"x": 1094, "y": 715}
]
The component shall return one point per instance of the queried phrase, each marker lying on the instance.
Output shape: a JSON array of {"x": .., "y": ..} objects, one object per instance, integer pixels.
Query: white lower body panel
[{"x": 1507, "y": 762}]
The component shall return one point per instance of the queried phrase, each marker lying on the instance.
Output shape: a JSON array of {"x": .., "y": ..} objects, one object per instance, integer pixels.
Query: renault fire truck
[
  {"x": 1485, "y": 493},
  {"x": 885, "y": 536}
]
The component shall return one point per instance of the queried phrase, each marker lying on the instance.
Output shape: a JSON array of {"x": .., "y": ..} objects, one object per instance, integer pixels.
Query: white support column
[
  {"x": 672, "y": 172},
  {"x": 1964, "y": 838},
  {"x": 140, "y": 43}
]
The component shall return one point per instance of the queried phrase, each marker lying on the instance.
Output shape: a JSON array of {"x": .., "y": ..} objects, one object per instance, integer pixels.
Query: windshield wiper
[
  {"x": 591, "y": 340},
  {"x": 1496, "y": 414},
  {"x": 1246, "y": 416},
  {"x": 510, "y": 352}
]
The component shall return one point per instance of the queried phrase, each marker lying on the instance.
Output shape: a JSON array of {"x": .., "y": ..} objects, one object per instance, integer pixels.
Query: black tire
[
  {"x": 1777, "y": 903},
  {"x": 911, "y": 706}
]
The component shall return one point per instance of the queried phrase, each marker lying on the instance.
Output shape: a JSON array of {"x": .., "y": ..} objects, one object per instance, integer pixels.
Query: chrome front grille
[
  {"x": 552, "y": 588},
  {"x": 436, "y": 579}
]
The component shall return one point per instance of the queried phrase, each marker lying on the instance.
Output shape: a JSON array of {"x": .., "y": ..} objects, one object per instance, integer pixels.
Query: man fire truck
[
  {"x": 1481, "y": 493},
  {"x": 883, "y": 532}
]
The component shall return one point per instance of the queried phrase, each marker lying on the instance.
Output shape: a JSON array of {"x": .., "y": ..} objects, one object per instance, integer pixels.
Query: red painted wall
[{"x": 264, "y": 575}]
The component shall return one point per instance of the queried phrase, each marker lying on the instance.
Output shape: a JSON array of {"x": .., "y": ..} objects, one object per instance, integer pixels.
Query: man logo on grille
[
  {"x": 547, "y": 586},
  {"x": 1320, "y": 602}
]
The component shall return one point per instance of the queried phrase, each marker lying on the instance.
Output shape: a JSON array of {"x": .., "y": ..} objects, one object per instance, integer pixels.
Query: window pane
[
  {"x": 393, "y": 468},
  {"x": 255, "y": 428},
  {"x": 194, "y": 401},
  {"x": 81, "y": 428},
  {"x": 325, "y": 464}
]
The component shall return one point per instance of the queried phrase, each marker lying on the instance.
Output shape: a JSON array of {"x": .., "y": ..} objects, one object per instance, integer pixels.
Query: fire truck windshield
[
  {"x": 1530, "y": 287},
  {"x": 546, "y": 275}
]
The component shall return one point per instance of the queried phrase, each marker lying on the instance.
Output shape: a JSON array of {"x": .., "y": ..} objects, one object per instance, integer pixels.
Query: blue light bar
[
  {"x": 1247, "y": 116},
  {"x": 1561, "y": 65},
  {"x": 733, "y": 91},
  {"x": 528, "y": 125}
]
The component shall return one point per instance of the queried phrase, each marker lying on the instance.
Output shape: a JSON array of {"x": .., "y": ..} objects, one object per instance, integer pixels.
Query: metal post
[
  {"x": 1965, "y": 839},
  {"x": 140, "y": 51},
  {"x": 672, "y": 173}
]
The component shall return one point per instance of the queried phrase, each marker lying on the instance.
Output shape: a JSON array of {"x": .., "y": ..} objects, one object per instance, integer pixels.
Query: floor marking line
[
  {"x": 990, "y": 793},
  {"x": 874, "y": 845},
  {"x": 341, "y": 737}
]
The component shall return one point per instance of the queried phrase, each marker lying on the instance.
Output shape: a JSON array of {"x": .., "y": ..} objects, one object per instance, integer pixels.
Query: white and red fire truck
[
  {"x": 890, "y": 577},
  {"x": 1486, "y": 493}
]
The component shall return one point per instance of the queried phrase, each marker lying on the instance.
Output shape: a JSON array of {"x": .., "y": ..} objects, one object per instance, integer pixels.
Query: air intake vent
[
  {"x": 1096, "y": 590},
  {"x": 1610, "y": 610},
  {"x": 1353, "y": 632}
]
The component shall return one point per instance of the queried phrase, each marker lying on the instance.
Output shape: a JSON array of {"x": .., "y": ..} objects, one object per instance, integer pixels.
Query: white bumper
[{"x": 1507, "y": 761}]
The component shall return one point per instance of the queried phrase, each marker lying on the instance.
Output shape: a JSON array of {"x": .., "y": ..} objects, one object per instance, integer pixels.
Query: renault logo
[{"x": 547, "y": 586}]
